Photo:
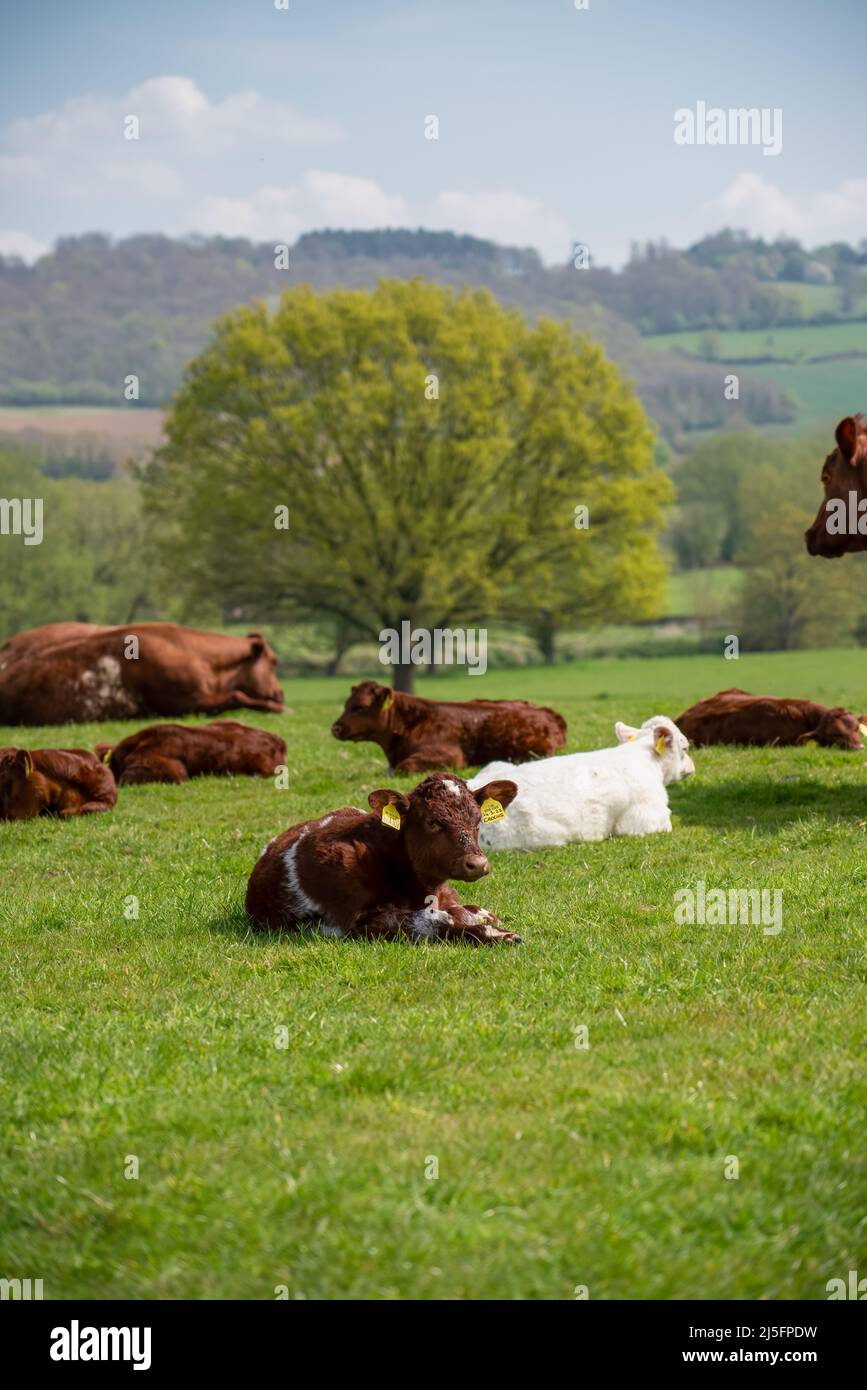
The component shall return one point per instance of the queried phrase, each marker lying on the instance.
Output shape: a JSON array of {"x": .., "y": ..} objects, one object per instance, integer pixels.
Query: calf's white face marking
[{"x": 452, "y": 787}]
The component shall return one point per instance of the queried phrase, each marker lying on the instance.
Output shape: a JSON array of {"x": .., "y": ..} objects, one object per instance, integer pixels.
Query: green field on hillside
[
  {"x": 309, "y": 1166},
  {"x": 792, "y": 344}
]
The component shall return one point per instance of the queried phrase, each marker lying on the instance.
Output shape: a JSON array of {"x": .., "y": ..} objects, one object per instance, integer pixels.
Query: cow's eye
[{"x": 432, "y": 827}]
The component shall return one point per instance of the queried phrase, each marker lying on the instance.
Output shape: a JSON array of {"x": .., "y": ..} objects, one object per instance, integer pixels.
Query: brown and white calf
[
  {"x": 735, "y": 716},
  {"x": 383, "y": 874},
  {"x": 53, "y": 781},
  {"x": 419, "y": 735},
  {"x": 174, "y": 752}
]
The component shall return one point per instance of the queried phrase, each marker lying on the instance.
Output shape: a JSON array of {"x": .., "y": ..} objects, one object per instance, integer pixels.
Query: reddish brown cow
[
  {"x": 174, "y": 752},
  {"x": 735, "y": 716},
  {"x": 71, "y": 672},
  {"x": 418, "y": 735},
  {"x": 53, "y": 781},
  {"x": 385, "y": 874},
  {"x": 841, "y": 521}
]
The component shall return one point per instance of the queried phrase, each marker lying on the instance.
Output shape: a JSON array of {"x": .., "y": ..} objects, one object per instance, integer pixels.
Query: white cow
[{"x": 589, "y": 796}]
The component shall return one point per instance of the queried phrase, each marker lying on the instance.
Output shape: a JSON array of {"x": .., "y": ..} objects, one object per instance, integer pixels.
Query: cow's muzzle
[{"x": 475, "y": 866}]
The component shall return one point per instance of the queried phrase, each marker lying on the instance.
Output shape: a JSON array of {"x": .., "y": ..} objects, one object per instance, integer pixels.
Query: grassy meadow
[{"x": 309, "y": 1165}]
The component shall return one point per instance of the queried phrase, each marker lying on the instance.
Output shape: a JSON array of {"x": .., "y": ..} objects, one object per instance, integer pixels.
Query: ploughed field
[{"x": 305, "y": 1157}]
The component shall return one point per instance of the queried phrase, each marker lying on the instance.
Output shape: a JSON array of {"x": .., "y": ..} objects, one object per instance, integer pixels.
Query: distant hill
[{"x": 80, "y": 319}]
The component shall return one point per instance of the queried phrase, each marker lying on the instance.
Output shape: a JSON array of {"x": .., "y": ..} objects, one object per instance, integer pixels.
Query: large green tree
[{"x": 431, "y": 449}]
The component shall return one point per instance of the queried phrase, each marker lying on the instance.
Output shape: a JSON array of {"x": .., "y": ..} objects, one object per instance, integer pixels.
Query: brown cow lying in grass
[
  {"x": 384, "y": 874},
  {"x": 841, "y": 521},
  {"x": 418, "y": 735},
  {"x": 174, "y": 752},
  {"x": 735, "y": 716},
  {"x": 67, "y": 673},
  {"x": 53, "y": 781}
]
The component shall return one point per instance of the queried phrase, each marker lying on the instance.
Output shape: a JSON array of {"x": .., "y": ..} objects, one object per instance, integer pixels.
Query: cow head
[
  {"x": 836, "y": 729},
  {"x": 838, "y": 525},
  {"x": 256, "y": 674},
  {"x": 439, "y": 823},
  {"x": 366, "y": 714},
  {"x": 20, "y": 785},
  {"x": 670, "y": 745}
]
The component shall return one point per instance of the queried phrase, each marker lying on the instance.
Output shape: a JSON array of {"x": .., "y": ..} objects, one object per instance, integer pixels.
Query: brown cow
[
  {"x": 841, "y": 521},
  {"x": 386, "y": 874},
  {"x": 53, "y": 781},
  {"x": 174, "y": 752},
  {"x": 72, "y": 672},
  {"x": 419, "y": 735},
  {"x": 735, "y": 716}
]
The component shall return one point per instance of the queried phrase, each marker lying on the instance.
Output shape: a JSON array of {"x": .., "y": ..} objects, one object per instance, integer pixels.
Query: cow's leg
[
  {"x": 153, "y": 769},
  {"x": 432, "y": 759},
  {"x": 223, "y": 700}
]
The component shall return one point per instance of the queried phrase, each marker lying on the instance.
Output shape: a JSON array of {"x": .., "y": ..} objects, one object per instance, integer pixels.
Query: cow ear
[
  {"x": 504, "y": 792},
  {"x": 810, "y": 735},
  {"x": 383, "y": 696},
  {"x": 23, "y": 762},
  {"x": 386, "y": 796},
  {"x": 662, "y": 739},
  {"x": 257, "y": 643},
  {"x": 625, "y": 732},
  {"x": 846, "y": 435}
]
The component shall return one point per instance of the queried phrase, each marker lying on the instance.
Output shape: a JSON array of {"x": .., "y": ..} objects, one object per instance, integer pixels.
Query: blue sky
[{"x": 555, "y": 124}]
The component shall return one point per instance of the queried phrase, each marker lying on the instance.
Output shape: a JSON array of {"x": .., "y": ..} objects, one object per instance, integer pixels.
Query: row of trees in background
[{"x": 76, "y": 322}]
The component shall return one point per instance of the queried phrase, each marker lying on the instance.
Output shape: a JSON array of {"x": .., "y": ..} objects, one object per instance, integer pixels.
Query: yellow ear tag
[
  {"x": 862, "y": 729},
  {"x": 387, "y": 701},
  {"x": 660, "y": 744},
  {"x": 106, "y": 757},
  {"x": 631, "y": 738},
  {"x": 492, "y": 810},
  {"x": 391, "y": 816},
  {"x": 28, "y": 765},
  {"x": 809, "y": 743}
]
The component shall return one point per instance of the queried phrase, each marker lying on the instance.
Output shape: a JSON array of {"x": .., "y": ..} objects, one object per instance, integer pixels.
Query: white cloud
[
  {"x": 752, "y": 201},
  {"x": 504, "y": 216},
  {"x": 244, "y": 165},
  {"x": 186, "y": 143},
  {"x": 317, "y": 199},
  {"x": 21, "y": 244}
]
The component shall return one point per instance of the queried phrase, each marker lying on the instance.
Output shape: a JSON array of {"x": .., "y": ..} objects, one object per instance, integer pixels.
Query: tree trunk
[
  {"x": 545, "y": 638},
  {"x": 403, "y": 678}
]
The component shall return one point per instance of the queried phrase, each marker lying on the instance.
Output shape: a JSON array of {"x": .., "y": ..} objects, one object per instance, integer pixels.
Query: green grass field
[
  {"x": 308, "y": 1165},
  {"x": 797, "y": 344}
]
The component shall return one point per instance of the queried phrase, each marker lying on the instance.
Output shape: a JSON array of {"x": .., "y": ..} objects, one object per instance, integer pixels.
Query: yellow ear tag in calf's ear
[
  {"x": 391, "y": 816},
  {"x": 631, "y": 738},
  {"x": 106, "y": 757},
  {"x": 387, "y": 701},
  {"x": 660, "y": 744},
  {"x": 28, "y": 765},
  {"x": 492, "y": 810},
  {"x": 862, "y": 729}
]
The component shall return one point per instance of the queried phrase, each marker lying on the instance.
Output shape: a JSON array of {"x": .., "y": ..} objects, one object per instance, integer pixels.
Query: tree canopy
[{"x": 407, "y": 454}]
